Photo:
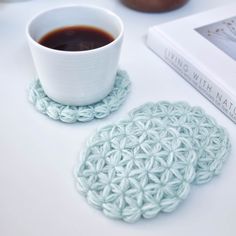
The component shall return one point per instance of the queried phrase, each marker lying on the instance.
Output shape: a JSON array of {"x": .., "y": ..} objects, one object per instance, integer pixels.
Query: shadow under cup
[{"x": 78, "y": 77}]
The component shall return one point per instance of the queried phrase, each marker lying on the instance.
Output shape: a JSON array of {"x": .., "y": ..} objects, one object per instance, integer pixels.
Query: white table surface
[{"x": 37, "y": 155}]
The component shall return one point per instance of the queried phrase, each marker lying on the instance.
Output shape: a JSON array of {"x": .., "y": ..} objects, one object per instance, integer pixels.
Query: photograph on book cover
[{"x": 222, "y": 34}]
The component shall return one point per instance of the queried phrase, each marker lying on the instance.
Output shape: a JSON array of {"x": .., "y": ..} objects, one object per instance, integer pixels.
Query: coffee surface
[{"x": 76, "y": 38}]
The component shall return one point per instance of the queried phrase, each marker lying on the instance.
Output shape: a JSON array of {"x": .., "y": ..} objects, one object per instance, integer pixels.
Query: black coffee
[{"x": 76, "y": 38}]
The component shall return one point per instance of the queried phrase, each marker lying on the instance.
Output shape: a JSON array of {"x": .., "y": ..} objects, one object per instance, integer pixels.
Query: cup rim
[{"x": 118, "y": 38}]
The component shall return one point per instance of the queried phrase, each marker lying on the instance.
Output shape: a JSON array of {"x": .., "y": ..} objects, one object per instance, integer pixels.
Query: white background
[{"x": 37, "y": 155}]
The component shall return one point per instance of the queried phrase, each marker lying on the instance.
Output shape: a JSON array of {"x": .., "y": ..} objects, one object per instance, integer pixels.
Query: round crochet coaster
[
  {"x": 136, "y": 168},
  {"x": 72, "y": 114},
  {"x": 210, "y": 141}
]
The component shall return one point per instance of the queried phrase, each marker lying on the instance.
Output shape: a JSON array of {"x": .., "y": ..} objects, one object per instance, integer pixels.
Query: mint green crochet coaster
[
  {"x": 145, "y": 164},
  {"x": 72, "y": 114},
  {"x": 136, "y": 169},
  {"x": 210, "y": 141}
]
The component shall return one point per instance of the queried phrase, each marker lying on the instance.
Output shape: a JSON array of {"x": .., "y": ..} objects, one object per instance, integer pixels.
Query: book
[{"x": 202, "y": 49}]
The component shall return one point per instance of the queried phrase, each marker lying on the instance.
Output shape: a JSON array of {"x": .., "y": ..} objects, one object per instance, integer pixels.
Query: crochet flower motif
[
  {"x": 145, "y": 164},
  {"x": 72, "y": 114},
  {"x": 136, "y": 169},
  {"x": 210, "y": 141}
]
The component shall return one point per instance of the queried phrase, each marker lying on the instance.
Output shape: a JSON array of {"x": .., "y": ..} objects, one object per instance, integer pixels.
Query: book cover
[{"x": 202, "y": 49}]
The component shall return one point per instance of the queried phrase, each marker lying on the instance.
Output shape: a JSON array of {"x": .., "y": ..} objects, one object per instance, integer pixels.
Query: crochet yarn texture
[
  {"x": 210, "y": 141},
  {"x": 145, "y": 164},
  {"x": 72, "y": 114}
]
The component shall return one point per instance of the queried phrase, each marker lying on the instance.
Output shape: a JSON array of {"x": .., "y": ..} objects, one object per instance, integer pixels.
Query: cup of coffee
[{"x": 76, "y": 52}]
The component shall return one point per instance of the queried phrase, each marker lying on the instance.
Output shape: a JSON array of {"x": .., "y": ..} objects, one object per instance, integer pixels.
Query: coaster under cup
[{"x": 72, "y": 114}]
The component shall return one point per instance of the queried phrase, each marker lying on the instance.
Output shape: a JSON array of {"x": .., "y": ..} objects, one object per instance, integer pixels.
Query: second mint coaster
[
  {"x": 145, "y": 164},
  {"x": 72, "y": 114},
  {"x": 132, "y": 170},
  {"x": 210, "y": 140}
]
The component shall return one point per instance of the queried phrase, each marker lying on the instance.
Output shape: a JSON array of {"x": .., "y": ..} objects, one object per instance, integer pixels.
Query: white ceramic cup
[{"x": 76, "y": 77}]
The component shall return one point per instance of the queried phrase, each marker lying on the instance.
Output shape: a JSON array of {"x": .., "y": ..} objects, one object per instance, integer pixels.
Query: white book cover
[{"x": 202, "y": 49}]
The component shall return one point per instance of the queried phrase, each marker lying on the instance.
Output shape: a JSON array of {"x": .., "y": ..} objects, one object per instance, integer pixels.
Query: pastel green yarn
[
  {"x": 136, "y": 169},
  {"x": 72, "y": 114},
  {"x": 210, "y": 140},
  {"x": 145, "y": 164}
]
